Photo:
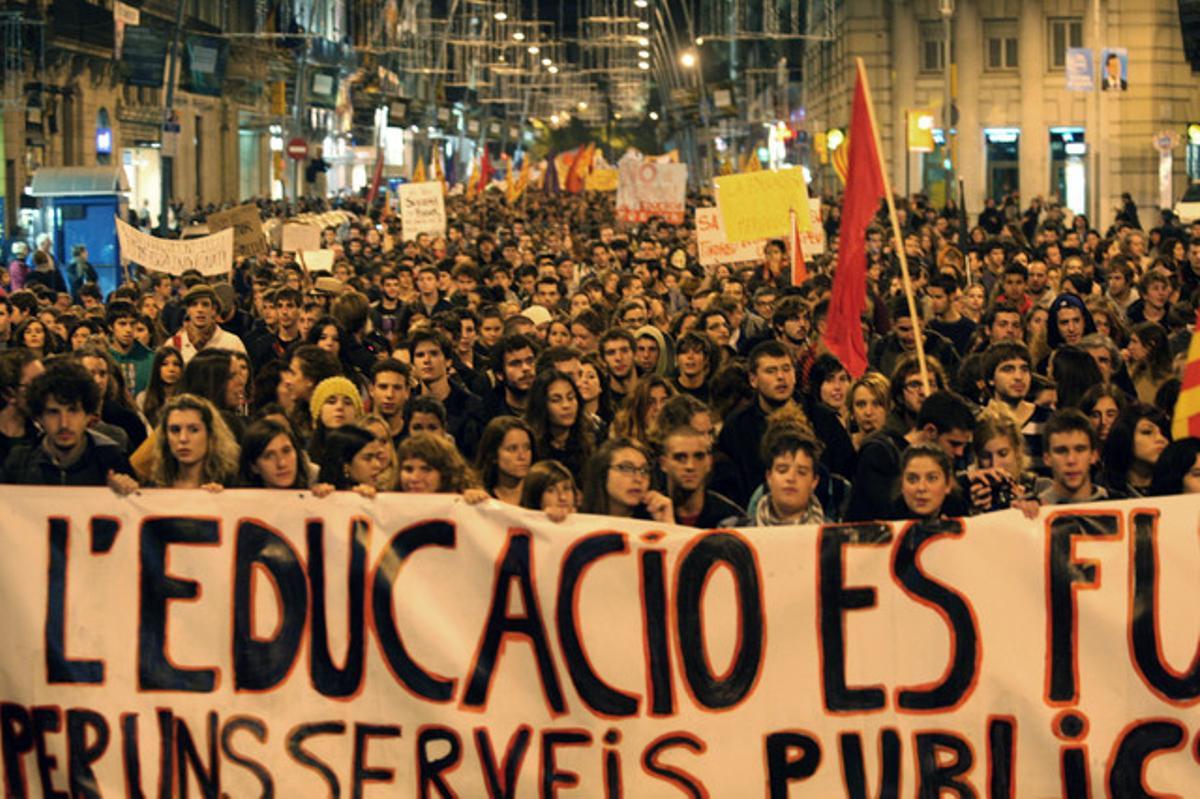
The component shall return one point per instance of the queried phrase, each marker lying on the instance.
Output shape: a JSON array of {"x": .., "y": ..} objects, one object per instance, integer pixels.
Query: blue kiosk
[{"x": 78, "y": 206}]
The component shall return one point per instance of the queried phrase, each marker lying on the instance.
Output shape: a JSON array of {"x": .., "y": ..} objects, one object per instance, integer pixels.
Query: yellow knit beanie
[{"x": 332, "y": 387}]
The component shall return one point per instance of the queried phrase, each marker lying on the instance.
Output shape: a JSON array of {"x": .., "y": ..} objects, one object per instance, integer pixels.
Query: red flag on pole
[
  {"x": 864, "y": 188},
  {"x": 486, "y": 170},
  {"x": 376, "y": 177},
  {"x": 799, "y": 270}
]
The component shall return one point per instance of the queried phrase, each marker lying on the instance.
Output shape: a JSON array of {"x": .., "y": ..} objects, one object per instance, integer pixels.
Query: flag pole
[{"x": 891, "y": 204}]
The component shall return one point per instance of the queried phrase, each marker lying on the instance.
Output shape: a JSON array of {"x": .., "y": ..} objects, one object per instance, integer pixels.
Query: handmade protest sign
[
  {"x": 412, "y": 645},
  {"x": 758, "y": 205},
  {"x": 301, "y": 237},
  {"x": 248, "y": 237},
  {"x": 712, "y": 246},
  {"x": 422, "y": 209},
  {"x": 647, "y": 189},
  {"x": 208, "y": 255}
]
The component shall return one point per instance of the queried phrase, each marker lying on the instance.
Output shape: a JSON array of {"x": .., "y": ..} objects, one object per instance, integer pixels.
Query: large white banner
[
  {"x": 422, "y": 209},
  {"x": 208, "y": 255},
  {"x": 648, "y": 189},
  {"x": 179, "y": 643}
]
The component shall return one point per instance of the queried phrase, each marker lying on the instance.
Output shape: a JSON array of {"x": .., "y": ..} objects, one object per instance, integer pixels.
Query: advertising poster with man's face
[{"x": 1114, "y": 69}]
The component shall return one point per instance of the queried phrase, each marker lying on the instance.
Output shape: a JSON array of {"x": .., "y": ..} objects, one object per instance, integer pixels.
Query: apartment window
[
  {"x": 933, "y": 46},
  {"x": 1063, "y": 33},
  {"x": 1000, "y": 43}
]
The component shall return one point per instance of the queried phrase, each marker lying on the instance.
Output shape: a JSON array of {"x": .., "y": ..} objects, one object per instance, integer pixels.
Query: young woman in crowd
[
  {"x": 272, "y": 457},
  {"x": 165, "y": 375},
  {"x": 1149, "y": 358},
  {"x": 352, "y": 460},
  {"x": 1003, "y": 471},
  {"x": 617, "y": 483},
  {"x": 869, "y": 405},
  {"x": 431, "y": 464},
  {"x": 335, "y": 402},
  {"x": 378, "y": 427},
  {"x": 33, "y": 335},
  {"x": 1074, "y": 371},
  {"x": 1134, "y": 444},
  {"x": 425, "y": 415},
  {"x": 1103, "y": 403},
  {"x": 504, "y": 457},
  {"x": 593, "y": 391},
  {"x": 638, "y": 416},
  {"x": 194, "y": 448},
  {"x": 829, "y": 386},
  {"x": 549, "y": 486},
  {"x": 1178, "y": 469},
  {"x": 926, "y": 483},
  {"x": 556, "y": 416}
]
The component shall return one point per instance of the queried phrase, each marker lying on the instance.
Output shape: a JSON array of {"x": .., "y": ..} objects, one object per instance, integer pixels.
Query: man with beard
[
  {"x": 687, "y": 462},
  {"x": 1008, "y": 369},
  {"x": 513, "y": 366}
]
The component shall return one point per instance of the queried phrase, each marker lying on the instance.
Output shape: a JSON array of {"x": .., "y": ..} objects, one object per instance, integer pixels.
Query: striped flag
[
  {"x": 841, "y": 160},
  {"x": 1186, "y": 421}
]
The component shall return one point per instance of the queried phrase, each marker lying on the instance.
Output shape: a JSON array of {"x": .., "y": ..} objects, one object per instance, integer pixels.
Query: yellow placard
[
  {"x": 602, "y": 180},
  {"x": 757, "y": 205}
]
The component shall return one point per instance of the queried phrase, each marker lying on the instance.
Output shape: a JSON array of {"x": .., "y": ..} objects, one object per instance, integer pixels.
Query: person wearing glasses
[{"x": 617, "y": 483}]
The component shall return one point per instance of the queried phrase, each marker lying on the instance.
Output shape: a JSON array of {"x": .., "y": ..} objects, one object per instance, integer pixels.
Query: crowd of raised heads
[{"x": 546, "y": 356}]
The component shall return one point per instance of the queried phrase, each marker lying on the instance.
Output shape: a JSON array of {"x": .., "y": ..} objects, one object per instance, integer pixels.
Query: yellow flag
[
  {"x": 419, "y": 173},
  {"x": 517, "y": 188},
  {"x": 473, "y": 181}
]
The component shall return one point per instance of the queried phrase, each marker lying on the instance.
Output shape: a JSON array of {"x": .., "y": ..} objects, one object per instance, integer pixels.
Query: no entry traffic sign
[{"x": 297, "y": 148}]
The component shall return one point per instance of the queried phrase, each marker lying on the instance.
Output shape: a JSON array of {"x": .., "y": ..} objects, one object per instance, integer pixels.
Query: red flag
[
  {"x": 575, "y": 175},
  {"x": 799, "y": 270},
  {"x": 485, "y": 170},
  {"x": 864, "y": 188},
  {"x": 376, "y": 178}
]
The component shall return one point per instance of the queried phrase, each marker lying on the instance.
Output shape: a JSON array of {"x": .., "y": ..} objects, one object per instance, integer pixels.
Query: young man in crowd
[
  {"x": 201, "y": 331},
  {"x": 18, "y": 368},
  {"x": 693, "y": 362},
  {"x": 616, "y": 349},
  {"x": 1008, "y": 370},
  {"x": 942, "y": 293},
  {"x": 430, "y": 352},
  {"x": 903, "y": 339},
  {"x": 390, "y": 390},
  {"x": 686, "y": 461},
  {"x": 1071, "y": 450},
  {"x": 134, "y": 358},
  {"x": 63, "y": 400},
  {"x": 513, "y": 367},
  {"x": 790, "y": 480}
]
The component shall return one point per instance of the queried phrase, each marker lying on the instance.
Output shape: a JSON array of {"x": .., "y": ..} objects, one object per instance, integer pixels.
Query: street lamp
[{"x": 687, "y": 59}]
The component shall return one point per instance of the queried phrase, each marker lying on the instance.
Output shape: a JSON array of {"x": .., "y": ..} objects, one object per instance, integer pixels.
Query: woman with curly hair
[
  {"x": 556, "y": 415},
  {"x": 431, "y": 464},
  {"x": 194, "y": 447},
  {"x": 638, "y": 416}
]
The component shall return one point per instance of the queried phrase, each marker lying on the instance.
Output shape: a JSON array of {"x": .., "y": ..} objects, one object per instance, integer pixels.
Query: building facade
[{"x": 1015, "y": 125}]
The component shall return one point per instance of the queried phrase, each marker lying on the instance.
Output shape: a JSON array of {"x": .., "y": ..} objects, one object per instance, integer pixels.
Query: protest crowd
[{"x": 545, "y": 354}]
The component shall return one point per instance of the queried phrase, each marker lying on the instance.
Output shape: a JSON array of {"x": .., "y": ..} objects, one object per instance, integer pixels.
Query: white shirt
[{"x": 222, "y": 339}]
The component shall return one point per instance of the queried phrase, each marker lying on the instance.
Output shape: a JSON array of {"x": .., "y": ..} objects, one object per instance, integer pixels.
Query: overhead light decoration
[
  {"x": 643, "y": 65},
  {"x": 553, "y": 70},
  {"x": 653, "y": 115},
  {"x": 518, "y": 36},
  {"x": 643, "y": 41},
  {"x": 687, "y": 59},
  {"x": 582, "y": 106},
  {"x": 500, "y": 16},
  {"x": 643, "y": 53},
  {"x": 534, "y": 49},
  {"x": 643, "y": 25},
  {"x": 546, "y": 62},
  {"x": 640, "y": 3}
]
